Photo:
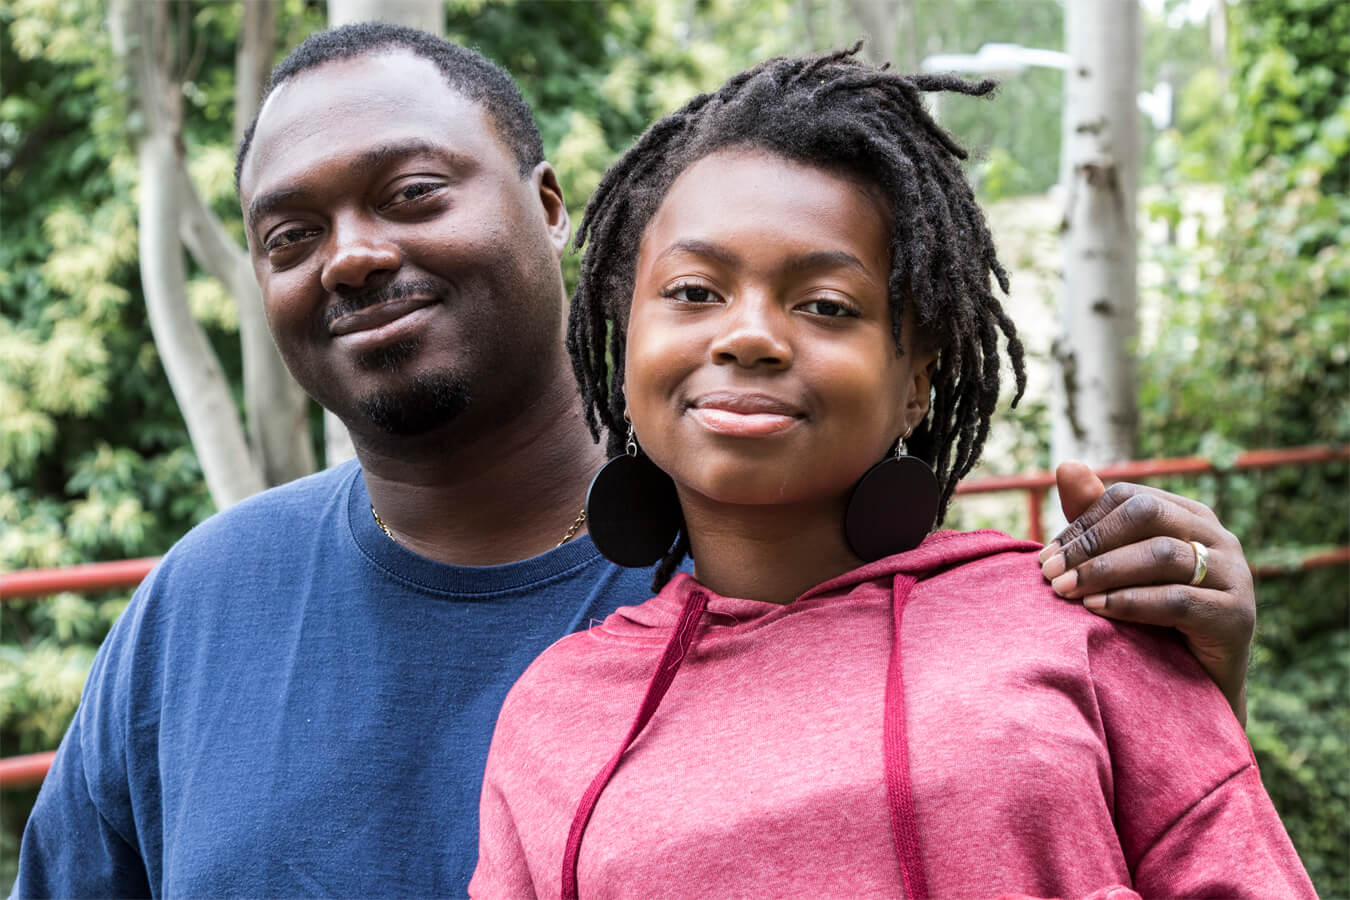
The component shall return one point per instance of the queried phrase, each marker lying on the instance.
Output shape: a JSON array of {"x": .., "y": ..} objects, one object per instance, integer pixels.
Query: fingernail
[
  {"x": 1095, "y": 601},
  {"x": 1050, "y": 550},
  {"x": 1065, "y": 583},
  {"x": 1053, "y": 567}
]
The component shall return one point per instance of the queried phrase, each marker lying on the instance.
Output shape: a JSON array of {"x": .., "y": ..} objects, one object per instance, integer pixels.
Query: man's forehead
[{"x": 371, "y": 100}]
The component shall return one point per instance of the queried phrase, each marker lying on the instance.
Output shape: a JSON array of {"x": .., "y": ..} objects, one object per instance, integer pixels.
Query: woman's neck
[{"x": 768, "y": 553}]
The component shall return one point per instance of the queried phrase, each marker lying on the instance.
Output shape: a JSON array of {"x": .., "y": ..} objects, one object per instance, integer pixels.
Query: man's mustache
[{"x": 396, "y": 290}]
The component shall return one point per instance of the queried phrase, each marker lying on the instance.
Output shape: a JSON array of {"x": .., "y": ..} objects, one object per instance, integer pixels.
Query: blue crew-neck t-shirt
[{"x": 294, "y": 705}]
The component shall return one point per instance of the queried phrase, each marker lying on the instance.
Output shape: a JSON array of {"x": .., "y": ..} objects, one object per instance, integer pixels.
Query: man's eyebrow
[
  {"x": 815, "y": 260},
  {"x": 268, "y": 203},
  {"x": 385, "y": 153},
  {"x": 366, "y": 160}
]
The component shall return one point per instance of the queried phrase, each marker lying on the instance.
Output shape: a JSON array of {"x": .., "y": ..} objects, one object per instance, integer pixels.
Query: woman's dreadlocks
[{"x": 840, "y": 114}]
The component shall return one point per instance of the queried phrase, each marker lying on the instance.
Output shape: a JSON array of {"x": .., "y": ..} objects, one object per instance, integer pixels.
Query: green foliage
[
  {"x": 95, "y": 462},
  {"x": 597, "y": 74},
  {"x": 1253, "y": 353}
]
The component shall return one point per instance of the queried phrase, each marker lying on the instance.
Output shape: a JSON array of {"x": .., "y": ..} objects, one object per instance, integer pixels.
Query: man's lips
[
  {"x": 740, "y": 414},
  {"x": 377, "y": 315}
]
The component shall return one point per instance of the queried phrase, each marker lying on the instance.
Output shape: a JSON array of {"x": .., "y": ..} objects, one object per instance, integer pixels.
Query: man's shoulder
[
  {"x": 277, "y": 512},
  {"x": 283, "y": 522}
]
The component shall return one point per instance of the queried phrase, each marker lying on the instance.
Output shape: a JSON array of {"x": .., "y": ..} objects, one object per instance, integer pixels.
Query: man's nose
[
  {"x": 754, "y": 333},
  {"x": 359, "y": 250}
]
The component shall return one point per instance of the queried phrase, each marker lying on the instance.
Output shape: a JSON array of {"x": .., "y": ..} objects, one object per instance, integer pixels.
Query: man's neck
[{"x": 506, "y": 494}]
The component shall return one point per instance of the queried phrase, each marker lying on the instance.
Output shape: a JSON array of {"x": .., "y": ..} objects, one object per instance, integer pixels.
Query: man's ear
[
  {"x": 545, "y": 182},
  {"x": 920, "y": 387}
]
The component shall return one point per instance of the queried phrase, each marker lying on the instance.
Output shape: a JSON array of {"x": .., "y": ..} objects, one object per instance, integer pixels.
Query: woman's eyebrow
[
  {"x": 817, "y": 260},
  {"x": 705, "y": 249},
  {"x": 814, "y": 261}
]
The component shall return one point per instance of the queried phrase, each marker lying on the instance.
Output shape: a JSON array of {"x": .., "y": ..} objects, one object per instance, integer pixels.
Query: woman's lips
[{"x": 744, "y": 415}]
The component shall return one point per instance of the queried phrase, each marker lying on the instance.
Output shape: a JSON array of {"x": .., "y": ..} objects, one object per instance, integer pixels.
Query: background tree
[{"x": 1094, "y": 406}]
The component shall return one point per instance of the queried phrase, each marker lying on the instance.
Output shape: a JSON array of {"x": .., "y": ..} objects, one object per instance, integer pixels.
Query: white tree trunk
[
  {"x": 337, "y": 441},
  {"x": 1094, "y": 412},
  {"x": 876, "y": 20},
  {"x": 277, "y": 409},
  {"x": 199, "y": 385},
  {"x": 428, "y": 15},
  {"x": 140, "y": 32}
]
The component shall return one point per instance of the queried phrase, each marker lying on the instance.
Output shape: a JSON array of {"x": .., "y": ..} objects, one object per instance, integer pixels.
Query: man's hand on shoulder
[{"x": 1128, "y": 554}]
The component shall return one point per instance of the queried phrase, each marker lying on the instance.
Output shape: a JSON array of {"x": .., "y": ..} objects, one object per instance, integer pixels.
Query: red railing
[
  {"x": 1038, "y": 484},
  {"x": 19, "y": 771}
]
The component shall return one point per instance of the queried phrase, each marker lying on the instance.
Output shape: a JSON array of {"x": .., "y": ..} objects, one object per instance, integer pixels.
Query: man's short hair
[{"x": 465, "y": 71}]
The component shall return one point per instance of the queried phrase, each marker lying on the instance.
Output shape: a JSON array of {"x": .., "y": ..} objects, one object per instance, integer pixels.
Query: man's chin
[{"x": 424, "y": 404}]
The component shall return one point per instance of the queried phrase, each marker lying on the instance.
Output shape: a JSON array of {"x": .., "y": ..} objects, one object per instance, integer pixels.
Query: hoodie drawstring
[
  {"x": 677, "y": 648},
  {"x": 899, "y": 788}
]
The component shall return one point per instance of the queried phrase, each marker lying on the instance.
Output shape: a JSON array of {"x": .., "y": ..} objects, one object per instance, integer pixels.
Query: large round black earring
[
  {"x": 892, "y": 508},
  {"x": 632, "y": 510}
]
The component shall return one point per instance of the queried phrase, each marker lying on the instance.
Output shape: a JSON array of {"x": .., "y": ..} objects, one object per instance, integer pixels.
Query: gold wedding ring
[{"x": 1201, "y": 562}]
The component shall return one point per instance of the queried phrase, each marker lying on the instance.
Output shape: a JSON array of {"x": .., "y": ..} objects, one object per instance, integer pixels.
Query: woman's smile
[{"x": 744, "y": 413}]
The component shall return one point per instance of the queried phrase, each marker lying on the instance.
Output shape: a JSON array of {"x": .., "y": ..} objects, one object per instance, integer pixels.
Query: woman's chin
[{"x": 754, "y": 491}]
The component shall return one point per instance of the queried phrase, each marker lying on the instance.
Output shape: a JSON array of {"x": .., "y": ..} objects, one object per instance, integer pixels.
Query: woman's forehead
[{"x": 740, "y": 194}]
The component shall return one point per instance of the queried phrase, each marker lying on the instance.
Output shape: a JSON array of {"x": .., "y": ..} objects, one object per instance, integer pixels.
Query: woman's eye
[
  {"x": 691, "y": 293},
  {"x": 828, "y": 308}
]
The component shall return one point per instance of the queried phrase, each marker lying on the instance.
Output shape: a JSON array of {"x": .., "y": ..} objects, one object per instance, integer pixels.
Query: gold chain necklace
[{"x": 567, "y": 535}]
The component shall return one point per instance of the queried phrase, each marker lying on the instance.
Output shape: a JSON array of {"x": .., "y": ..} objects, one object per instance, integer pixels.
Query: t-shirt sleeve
[
  {"x": 82, "y": 839},
  {"x": 1191, "y": 813},
  {"x": 69, "y": 848}
]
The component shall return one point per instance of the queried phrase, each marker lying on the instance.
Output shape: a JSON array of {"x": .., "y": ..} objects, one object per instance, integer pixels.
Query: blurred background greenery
[{"x": 1244, "y": 298}]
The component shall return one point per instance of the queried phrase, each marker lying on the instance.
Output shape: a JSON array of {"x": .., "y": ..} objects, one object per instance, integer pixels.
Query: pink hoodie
[{"x": 1008, "y": 742}]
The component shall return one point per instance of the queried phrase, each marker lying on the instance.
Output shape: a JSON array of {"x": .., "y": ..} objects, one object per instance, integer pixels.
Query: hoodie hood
[{"x": 940, "y": 550}]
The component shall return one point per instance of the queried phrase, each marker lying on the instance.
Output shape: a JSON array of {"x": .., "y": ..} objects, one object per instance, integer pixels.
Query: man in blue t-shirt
[{"x": 300, "y": 698}]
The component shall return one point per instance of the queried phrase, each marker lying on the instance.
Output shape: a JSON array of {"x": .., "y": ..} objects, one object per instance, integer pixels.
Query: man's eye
[
  {"x": 413, "y": 191},
  {"x": 828, "y": 308},
  {"x": 691, "y": 293},
  {"x": 283, "y": 239}
]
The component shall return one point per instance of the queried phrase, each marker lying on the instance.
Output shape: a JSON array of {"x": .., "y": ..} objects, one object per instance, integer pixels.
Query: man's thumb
[{"x": 1079, "y": 487}]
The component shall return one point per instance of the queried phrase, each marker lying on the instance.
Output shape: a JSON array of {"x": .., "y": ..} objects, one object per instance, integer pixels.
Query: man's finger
[
  {"x": 1078, "y": 487},
  {"x": 1115, "y": 496},
  {"x": 1211, "y": 625},
  {"x": 1156, "y": 560},
  {"x": 1143, "y": 515}
]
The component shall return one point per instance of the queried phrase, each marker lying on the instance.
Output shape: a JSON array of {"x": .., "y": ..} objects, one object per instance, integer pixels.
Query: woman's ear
[{"x": 920, "y": 386}]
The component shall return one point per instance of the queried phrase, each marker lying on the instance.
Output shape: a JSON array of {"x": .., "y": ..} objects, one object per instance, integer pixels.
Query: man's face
[{"x": 409, "y": 272}]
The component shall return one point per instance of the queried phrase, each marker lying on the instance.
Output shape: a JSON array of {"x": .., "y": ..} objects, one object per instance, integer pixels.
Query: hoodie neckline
[{"x": 654, "y": 618}]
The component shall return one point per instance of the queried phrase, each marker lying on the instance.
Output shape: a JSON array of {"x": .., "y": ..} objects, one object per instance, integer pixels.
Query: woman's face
[{"x": 761, "y": 368}]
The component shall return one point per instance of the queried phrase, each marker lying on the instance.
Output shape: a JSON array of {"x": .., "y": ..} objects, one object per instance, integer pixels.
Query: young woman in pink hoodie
[{"x": 786, "y": 282}]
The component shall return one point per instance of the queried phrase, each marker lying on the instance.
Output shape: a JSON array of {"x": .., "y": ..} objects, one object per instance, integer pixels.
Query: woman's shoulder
[
  {"x": 1003, "y": 602},
  {"x": 586, "y": 667}
]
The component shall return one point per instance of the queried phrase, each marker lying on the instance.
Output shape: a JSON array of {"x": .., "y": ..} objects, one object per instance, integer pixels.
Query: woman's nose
[{"x": 754, "y": 333}]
